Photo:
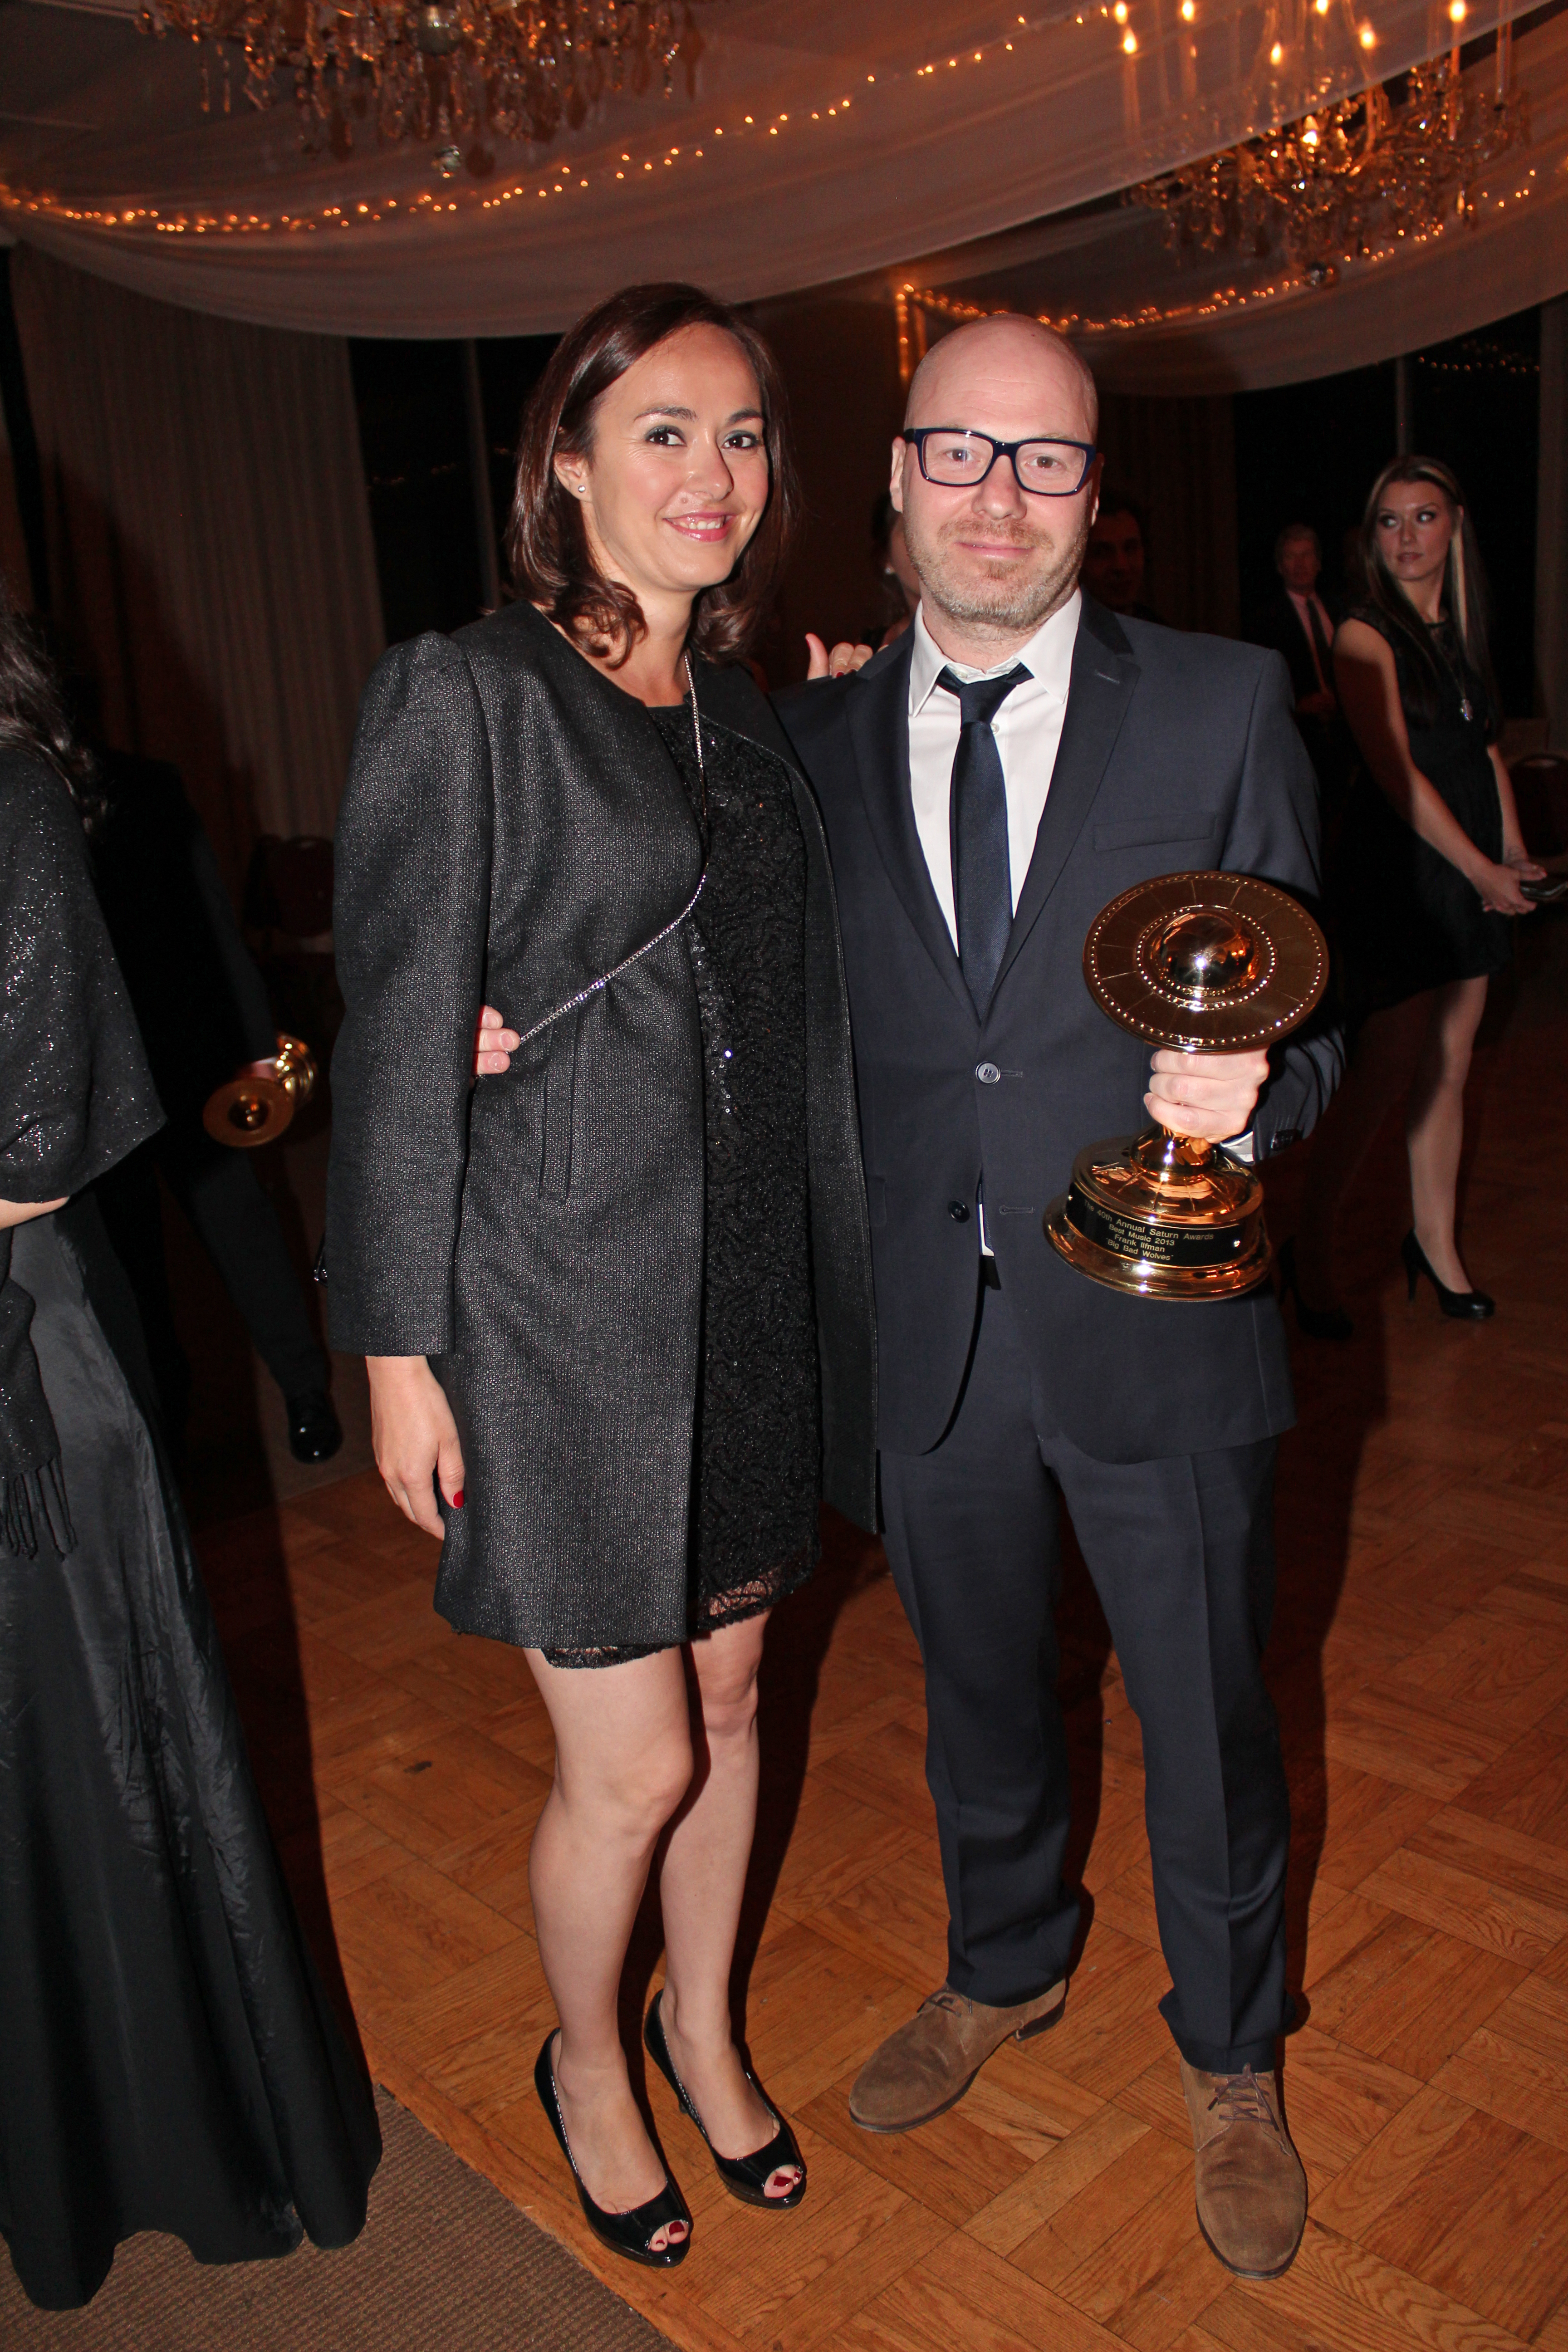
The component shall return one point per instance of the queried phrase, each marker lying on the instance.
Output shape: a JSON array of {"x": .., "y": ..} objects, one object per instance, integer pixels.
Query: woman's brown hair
[
  {"x": 32, "y": 714},
  {"x": 547, "y": 541},
  {"x": 1464, "y": 587}
]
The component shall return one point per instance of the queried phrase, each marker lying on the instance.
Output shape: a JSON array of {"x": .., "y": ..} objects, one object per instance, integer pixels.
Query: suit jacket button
[
  {"x": 958, "y": 1211},
  {"x": 988, "y": 1074}
]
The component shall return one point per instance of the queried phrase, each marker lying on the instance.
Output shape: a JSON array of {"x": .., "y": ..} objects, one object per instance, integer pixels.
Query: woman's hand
[
  {"x": 22, "y": 1213},
  {"x": 494, "y": 1044},
  {"x": 1498, "y": 885},
  {"x": 1210, "y": 1095},
  {"x": 413, "y": 1437},
  {"x": 844, "y": 658}
]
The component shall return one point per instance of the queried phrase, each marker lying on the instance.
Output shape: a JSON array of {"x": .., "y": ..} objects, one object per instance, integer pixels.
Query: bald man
[{"x": 1018, "y": 757}]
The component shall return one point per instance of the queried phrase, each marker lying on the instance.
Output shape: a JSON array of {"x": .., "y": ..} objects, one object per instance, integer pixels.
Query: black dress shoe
[
  {"x": 315, "y": 1432},
  {"x": 1314, "y": 1322},
  {"x": 1464, "y": 1305},
  {"x": 625, "y": 2233},
  {"x": 745, "y": 2177}
]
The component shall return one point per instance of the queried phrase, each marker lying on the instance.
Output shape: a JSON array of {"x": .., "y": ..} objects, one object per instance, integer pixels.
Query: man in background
[
  {"x": 201, "y": 1005},
  {"x": 1297, "y": 623},
  {"x": 1114, "y": 559}
]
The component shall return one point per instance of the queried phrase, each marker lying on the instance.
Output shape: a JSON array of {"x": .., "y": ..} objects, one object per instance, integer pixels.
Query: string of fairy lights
[
  {"x": 633, "y": 165},
  {"x": 913, "y": 304},
  {"x": 629, "y": 168}
]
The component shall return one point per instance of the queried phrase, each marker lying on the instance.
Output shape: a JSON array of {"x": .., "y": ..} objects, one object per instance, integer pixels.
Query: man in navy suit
[{"x": 1014, "y": 759}]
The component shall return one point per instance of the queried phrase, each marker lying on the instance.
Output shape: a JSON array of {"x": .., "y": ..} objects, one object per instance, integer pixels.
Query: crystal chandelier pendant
[
  {"x": 426, "y": 68},
  {"x": 1351, "y": 180}
]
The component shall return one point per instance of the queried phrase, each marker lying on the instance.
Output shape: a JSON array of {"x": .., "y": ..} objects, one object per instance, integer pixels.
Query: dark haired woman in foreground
[
  {"x": 170, "y": 2061},
  {"x": 1431, "y": 868},
  {"x": 585, "y": 1289}
]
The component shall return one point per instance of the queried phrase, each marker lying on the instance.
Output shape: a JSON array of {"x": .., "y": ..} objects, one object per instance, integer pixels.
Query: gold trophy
[
  {"x": 257, "y": 1106},
  {"x": 1205, "y": 963}
]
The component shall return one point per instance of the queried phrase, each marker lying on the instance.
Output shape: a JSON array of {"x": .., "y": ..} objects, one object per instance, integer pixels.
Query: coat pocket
[
  {"x": 1161, "y": 828},
  {"x": 560, "y": 1097}
]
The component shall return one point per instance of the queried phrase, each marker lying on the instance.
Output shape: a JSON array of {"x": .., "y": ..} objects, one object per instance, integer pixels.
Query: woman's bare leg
[
  {"x": 623, "y": 1762},
  {"x": 1434, "y": 1125},
  {"x": 701, "y": 1886},
  {"x": 1386, "y": 1052}
]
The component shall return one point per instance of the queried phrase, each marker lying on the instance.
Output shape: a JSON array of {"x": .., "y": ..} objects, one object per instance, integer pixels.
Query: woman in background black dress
[
  {"x": 1429, "y": 875},
  {"x": 168, "y": 2059}
]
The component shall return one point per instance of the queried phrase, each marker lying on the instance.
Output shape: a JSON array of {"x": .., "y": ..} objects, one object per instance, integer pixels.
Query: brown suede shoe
[
  {"x": 928, "y": 2065},
  {"x": 1251, "y": 2190}
]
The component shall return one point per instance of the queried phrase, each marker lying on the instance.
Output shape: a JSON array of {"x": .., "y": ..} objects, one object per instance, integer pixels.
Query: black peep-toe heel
[
  {"x": 624, "y": 2233},
  {"x": 745, "y": 2177}
]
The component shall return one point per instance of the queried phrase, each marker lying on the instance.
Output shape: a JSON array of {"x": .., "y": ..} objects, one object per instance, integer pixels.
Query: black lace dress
[
  {"x": 756, "y": 1456},
  {"x": 1408, "y": 919}
]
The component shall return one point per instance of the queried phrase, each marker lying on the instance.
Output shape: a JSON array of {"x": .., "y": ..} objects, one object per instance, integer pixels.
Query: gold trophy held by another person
[
  {"x": 255, "y": 1105},
  {"x": 1199, "y": 962}
]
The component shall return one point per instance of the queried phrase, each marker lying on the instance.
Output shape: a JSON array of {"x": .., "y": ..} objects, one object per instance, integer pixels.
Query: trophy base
[{"x": 1163, "y": 1216}]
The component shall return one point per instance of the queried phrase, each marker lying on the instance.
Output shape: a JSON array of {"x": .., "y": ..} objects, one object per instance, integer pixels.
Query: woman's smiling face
[{"x": 675, "y": 479}]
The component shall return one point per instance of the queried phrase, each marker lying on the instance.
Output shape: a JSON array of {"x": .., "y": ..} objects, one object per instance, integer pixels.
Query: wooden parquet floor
[{"x": 1420, "y": 1663}]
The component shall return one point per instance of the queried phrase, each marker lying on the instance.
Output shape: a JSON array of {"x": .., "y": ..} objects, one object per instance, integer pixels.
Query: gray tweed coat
[{"x": 512, "y": 828}]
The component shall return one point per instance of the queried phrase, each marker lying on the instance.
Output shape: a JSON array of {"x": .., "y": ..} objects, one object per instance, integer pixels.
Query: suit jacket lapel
[
  {"x": 879, "y": 720},
  {"x": 1104, "y": 675}
]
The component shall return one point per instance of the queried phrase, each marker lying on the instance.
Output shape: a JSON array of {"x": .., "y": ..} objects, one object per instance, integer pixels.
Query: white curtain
[
  {"x": 811, "y": 142},
  {"x": 209, "y": 547},
  {"x": 13, "y": 562}
]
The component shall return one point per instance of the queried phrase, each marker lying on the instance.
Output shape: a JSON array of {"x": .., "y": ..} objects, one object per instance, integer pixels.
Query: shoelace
[
  {"x": 1241, "y": 2098},
  {"x": 955, "y": 2003}
]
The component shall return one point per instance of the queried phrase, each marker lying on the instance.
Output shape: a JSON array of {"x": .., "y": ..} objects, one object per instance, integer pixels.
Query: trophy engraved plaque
[
  {"x": 256, "y": 1107},
  {"x": 1201, "y": 962}
]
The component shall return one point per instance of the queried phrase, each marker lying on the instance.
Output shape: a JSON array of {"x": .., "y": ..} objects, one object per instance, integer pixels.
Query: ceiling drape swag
[
  {"x": 811, "y": 143},
  {"x": 209, "y": 544},
  {"x": 1112, "y": 265}
]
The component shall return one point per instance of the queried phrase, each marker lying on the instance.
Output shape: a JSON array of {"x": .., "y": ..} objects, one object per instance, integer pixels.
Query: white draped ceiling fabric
[
  {"x": 1206, "y": 323},
  {"x": 808, "y": 141}
]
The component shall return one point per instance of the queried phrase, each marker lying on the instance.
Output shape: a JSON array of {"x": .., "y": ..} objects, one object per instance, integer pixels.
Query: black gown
[
  {"x": 1409, "y": 920},
  {"x": 756, "y": 1470},
  {"x": 170, "y": 2060}
]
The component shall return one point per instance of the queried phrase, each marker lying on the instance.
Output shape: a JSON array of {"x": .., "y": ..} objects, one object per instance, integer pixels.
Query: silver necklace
[
  {"x": 1457, "y": 673},
  {"x": 697, "y": 740}
]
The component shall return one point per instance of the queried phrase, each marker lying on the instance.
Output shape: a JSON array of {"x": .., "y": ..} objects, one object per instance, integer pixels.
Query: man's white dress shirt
[{"x": 1027, "y": 728}]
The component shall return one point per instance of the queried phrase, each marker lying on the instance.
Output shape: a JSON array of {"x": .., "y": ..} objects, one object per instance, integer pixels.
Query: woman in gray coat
[{"x": 617, "y": 1302}]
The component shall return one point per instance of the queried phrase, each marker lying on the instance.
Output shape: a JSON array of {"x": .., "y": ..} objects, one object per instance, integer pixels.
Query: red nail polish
[{"x": 458, "y": 1500}]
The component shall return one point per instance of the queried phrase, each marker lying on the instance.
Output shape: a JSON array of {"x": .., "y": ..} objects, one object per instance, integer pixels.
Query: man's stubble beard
[{"x": 1008, "y": 605}]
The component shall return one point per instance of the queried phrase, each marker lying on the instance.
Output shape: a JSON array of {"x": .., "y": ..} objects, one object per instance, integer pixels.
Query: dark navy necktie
[{"x": 977, "y": 819}]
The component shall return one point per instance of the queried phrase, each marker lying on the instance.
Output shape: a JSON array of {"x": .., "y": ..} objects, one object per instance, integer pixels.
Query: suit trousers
[
  {"x": 221, "y": 1194},
  {"x": 1181, "y": 1552}
]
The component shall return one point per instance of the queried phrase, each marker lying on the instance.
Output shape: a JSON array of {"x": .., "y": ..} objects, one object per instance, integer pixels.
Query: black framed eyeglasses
[{"x": 955, "y": 458}]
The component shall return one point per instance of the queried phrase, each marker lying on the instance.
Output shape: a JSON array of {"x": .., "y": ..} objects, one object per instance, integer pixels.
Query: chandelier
[
  {"x": 1351, "y": 180},
  {"x": 433, "y": 69}
]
